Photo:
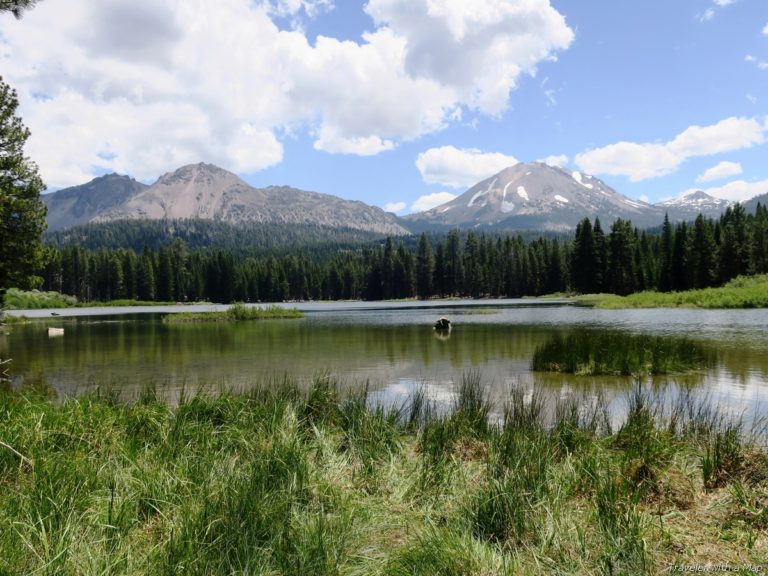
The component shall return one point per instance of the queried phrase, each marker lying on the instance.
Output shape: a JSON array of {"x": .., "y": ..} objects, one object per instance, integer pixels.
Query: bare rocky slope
[
  {"x": 212, "y": 193},
  {"x": 87, "y": 202}
]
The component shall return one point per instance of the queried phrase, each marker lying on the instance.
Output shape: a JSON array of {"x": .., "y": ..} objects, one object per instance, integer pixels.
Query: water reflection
[{"x": 392, "y": 350}]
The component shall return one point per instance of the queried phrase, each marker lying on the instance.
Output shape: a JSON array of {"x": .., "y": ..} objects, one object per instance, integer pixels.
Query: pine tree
[
  {"x": 425, "y": 265},
  {"x": 759, "y": 248},
  {"x": 583, "y": 263},
  {"x": 146, "y": 277},
  {"x": 735, "y": 244},
  {"x": 601, "y": 257},
  {"x": 701, "y": 253},
  {"x": 16, "y": 7},
  {"x": 679, "y": 279},
  {"x": 665, "y": 271},
  {"x": 622, "y": 257},
  {"x": 454, "y": 269},
  {"x": 22, "y": 212}
]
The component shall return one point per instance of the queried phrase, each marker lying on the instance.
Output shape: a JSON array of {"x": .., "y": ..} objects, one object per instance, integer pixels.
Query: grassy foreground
[
  {"x": 235, "y": 312},
  {"x": 290, "y": 482},
  {"x": 741, "y": 292}
]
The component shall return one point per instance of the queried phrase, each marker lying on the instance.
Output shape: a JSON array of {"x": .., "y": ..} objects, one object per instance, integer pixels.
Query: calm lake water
[{"x": 390, "y": 347}]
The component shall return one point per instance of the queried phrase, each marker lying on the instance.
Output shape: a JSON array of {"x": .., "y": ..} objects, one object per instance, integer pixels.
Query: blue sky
[{"x": 398, "y": 103}]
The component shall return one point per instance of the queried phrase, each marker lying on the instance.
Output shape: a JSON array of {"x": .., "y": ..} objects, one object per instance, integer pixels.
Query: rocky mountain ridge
[
  {"x": 208, "y": 192},
  {"x": 532, "y": 196}
]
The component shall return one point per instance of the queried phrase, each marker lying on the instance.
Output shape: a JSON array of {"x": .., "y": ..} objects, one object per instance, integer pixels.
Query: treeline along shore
[{"x": 620, "y": 260}]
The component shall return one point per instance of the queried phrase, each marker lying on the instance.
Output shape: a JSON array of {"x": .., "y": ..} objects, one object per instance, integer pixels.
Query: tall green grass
[
  {"x": 236, "y": 312},
  {"x": 587, "y": 352},
  {"x": 741, "y": 292},
  {"x": 321, "y": 481},
  {"x": 16, "y": 299}
]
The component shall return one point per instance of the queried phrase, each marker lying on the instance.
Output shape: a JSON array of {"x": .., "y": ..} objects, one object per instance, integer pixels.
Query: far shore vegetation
[
  {"x": 16, "y": 299},
  {"x": 236, "y": 312},
  {"x": 288, "y": 480},
  {"x": 741, "y": 292}
]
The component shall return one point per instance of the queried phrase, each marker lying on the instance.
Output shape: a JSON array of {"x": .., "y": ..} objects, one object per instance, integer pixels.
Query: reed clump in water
[
  {"x": 290, "y": 481},
  {"x": 236, "y": 312},
  {"x": 615, "y": 353}
]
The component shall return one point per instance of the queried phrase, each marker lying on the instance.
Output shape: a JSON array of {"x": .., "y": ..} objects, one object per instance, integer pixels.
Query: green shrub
[{"x": 16, "y": 299}]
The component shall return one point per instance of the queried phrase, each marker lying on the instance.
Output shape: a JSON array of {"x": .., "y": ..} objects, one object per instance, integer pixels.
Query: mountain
[
  {"x": 751, "y": 205},
  {"x": 543, "y": 197},
  {"x": 689, "y": 205},
  {"x": 539, "y": 196},
  {"x": 82, "y": 204},
  {"x": 204, "y": 191}
]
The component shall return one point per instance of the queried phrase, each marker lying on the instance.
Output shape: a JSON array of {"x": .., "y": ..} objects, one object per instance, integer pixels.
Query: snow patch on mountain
[
  {"x": 561, "y": 199},
  {"x": 522, "y": 193},
  {"x": 579, "y": 177},
  {"x": 632, "y": 203},
  {"x": 482, "y": 193},
  {"x": 507, "y": 207}
]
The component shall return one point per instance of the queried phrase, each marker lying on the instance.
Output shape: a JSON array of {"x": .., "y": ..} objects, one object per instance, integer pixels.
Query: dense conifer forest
[{"x": 315, "y": 265}]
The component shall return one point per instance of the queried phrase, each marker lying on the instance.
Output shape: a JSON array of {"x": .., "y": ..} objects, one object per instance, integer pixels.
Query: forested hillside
[
  {"x": 199, "y": 233},
  {"x": 619, "y": 260}
]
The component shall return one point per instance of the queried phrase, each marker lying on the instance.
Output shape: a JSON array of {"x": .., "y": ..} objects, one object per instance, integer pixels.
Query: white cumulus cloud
[
  {"x": 725, "y": 136},
  {"x": 640, "y": 161},
  {"x": 138, "y": 87},
  {"x": 722, "y": 170},
  {"x": 460, "y": 167},
  {"x": 558, "y": 161},
  {"x": 429, "y": 201},
  {"x": 293, "y": 7},
  {"x": 394, "y": 207},
  {"x": 478, "y": 48},
  {"x": 736, "y": 191},
  {"x": 765, "y": 30}
]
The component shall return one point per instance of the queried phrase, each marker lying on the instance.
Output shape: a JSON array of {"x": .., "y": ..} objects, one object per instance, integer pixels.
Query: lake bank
[
  {"x": 745, "y": 292},
  {"x": 285, "y": 481}
]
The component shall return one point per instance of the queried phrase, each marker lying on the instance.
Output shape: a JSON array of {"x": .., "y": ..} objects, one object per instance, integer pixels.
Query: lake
[{"x": 389, "y": 347}]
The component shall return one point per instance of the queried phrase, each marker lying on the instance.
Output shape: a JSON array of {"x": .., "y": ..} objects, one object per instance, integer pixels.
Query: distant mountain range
[
  {"x": 204, "y": 191},
  {"x": 751, "y": 205},
  {"x": 531, "y": 196},
  {"x": 544, "y": 197}
]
